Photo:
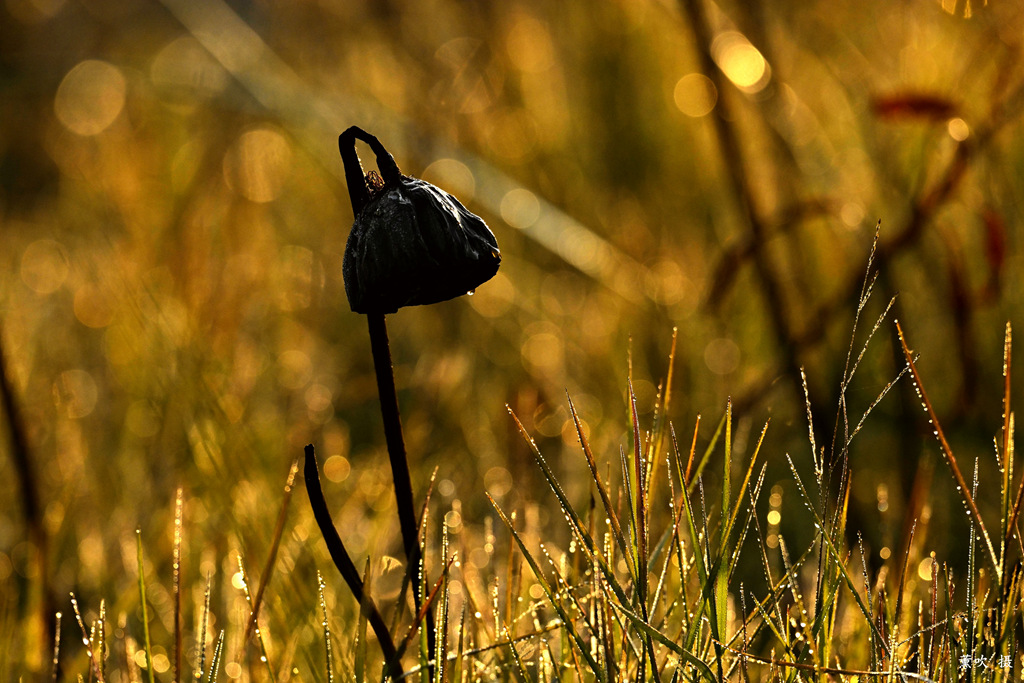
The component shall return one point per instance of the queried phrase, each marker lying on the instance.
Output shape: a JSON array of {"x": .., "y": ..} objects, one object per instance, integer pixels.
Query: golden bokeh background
[{"x": 173, "y": 218}]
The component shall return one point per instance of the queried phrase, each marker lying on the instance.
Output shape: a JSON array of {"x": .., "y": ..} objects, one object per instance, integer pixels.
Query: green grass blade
[
  {"x": 550, "y": 594},
  {"x": 576, "y": 525},
  {"x": 360, "y": 641},
  {"x": 145, "y": 610},
  {"x": 667, "y": 642},
  {"x": 836, "y": 555},
  {"x": 325, "y": 625},
  {"x": 602, "y": 490}
]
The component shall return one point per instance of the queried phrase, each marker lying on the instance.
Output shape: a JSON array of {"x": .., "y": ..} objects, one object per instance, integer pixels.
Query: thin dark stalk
[
  {"x": 31, "y": 506},
  {"x": 396, "y": 444},
  {"x": 343, "y": 562},
  {"x": 359, "y": 196}
]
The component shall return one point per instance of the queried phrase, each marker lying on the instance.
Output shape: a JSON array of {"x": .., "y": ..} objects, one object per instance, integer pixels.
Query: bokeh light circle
[
  {"x": 695, "y": 95},
  {"x": 91, "y": 97}
]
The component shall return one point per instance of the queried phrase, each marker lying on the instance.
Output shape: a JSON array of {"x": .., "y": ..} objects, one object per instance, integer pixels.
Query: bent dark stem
[{"x": 340, "y": 556}]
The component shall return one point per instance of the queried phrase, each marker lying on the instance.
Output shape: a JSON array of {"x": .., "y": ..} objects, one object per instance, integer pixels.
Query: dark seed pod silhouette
[{"x": 411, "y": 243}]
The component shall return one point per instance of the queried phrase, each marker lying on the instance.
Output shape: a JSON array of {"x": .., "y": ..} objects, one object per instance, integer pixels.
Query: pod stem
[
  {"x": 354, "y": 177},
  {"x": 393, "y": 435},
  {"x": 384, "y": 369}
]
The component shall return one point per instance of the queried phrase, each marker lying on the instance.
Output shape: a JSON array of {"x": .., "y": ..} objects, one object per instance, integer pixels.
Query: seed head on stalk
[{"x": 411, "y": 244}]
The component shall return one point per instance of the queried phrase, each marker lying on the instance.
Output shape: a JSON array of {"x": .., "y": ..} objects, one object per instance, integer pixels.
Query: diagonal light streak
[{"x": 315, "y": 118}]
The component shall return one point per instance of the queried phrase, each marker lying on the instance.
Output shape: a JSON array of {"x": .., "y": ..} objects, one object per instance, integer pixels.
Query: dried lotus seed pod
[{"x": 411, "y": 243}]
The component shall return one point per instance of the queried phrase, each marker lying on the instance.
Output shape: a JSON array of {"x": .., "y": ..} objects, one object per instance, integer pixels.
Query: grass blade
[
  {"x": 148, "y": 649},
  {"x": 328, "y": 647},
  {"x": 268, "y": 569},
  {"x": 218, "y": 652},
  {"x": 947, "y": 451},
  {"x": 204, "y": 624},
  {"x": 178, "y": 509},
  {"x": 55, "y": 670},
  {"x": 264, "y": 655},
  {"x": 550, "y": 594},
  {"x": 602, "y": 490}
]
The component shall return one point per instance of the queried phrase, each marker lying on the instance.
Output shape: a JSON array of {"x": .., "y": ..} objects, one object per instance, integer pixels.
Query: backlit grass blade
[
  {"x": 685, "y": 477},
  {"x": 87, "y": 639},
  {"x": 602, "y": 489},
  {"x": 204, "y": 624},
  {"x": 178, "y": 506},
  {"x": 359, "y": 644},
  {"x": 702, "y": 570},
  {"x": 148, "y": 650},
  {"x": 662, "y": 406},
  {"x": 326, "y": 627},
  {"x": 755, "y": 494},
  {"x": 570, "y": 628},
  {"x": 834, "y": 552},
  {"x": 1006, "y": 465},
  {"x": 642, "y": 481},
  {"x": 102, "y": 649},
  {"x": 268, "y": 568},
  {"x": 520, "y": 670},
  {"x": 576, "y": 525},
  {"x": 55, "y": 666},
  {"x": 677, "y": 649},
  {"x": 716, "y": 584},
  {"x": 218, "y": 652},
  {"x": 901, "y": 584},
  {"x": 460, "y": 650},
  {"x": 264, "y": 654},
  {"x": 727, "y": 467},
  {"x": 691, "y": 480},
  {"x": 741, "y": 493},
  {"x": 947, "y": 451}
]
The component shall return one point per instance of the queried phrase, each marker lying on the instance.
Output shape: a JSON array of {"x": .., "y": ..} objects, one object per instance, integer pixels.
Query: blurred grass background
[{"x": 174, "y": 217}]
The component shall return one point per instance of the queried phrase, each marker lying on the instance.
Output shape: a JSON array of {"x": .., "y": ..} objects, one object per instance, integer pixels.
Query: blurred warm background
[{"x": 174, "y": 217}]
